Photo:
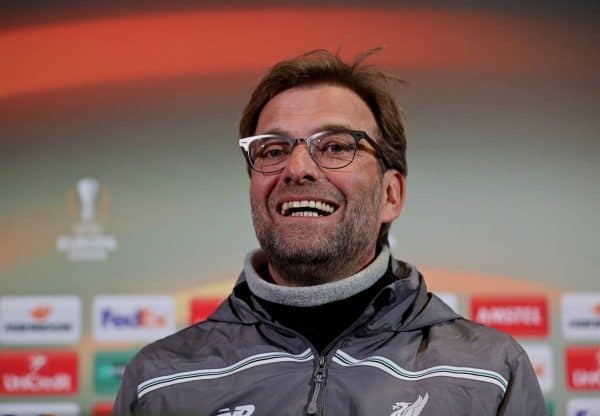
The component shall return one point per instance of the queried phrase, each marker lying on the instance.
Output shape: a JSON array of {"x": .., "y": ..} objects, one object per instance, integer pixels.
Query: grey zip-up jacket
[{"x": 407, "y": 355}]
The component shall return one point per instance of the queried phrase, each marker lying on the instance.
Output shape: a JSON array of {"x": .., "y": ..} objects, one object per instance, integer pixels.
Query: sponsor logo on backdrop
[
  {"x": 583, "y": 368},
  {"x": 581, "y": 315},
  {"x": 39, "y": 409},
  {"x": 40, "y": 319},
  {"x": 108, "y": 370},
  {"x": 38, "y": 372},
  {"x": 541, "y": 358},
  {"x": 449, "y": 299},
  {"x": 202, "y": 308},
  {"x": 88, "y": 241},
  {"x": 583, "y": 406},
  {"x": 518, "y": 316},
  {"x": 133, "y": 318},
  {"x": 102, "y": 409}
]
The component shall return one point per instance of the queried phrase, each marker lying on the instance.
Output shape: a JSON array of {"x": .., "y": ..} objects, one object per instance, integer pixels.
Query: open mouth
[{"x": 307, "y": 208}]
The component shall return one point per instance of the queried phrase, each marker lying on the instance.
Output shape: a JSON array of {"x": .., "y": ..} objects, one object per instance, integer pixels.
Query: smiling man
[
  {"x": 317, "y": 207},
  {"x": 322, "y": 319}
]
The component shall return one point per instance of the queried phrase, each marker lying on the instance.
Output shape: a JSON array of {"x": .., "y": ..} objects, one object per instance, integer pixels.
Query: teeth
[
  {"x": 305, "y": 214},
  {"x": 321, "y": 206}
]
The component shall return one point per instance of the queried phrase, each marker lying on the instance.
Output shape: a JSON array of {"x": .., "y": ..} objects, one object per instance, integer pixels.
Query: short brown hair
[{"x": 323, "y": 67}]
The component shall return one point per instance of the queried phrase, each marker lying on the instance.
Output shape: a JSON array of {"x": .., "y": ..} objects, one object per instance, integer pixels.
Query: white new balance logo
[
  {"x": 245, "y": 410},
  {"x": 410, "y": 409}
]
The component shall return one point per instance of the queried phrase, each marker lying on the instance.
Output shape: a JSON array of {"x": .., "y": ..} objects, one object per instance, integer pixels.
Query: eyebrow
[{"x": 323, "y": 127}]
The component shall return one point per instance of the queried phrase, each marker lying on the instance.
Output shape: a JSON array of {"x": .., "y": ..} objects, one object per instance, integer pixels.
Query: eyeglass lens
[{"x": 333, "y": 151}]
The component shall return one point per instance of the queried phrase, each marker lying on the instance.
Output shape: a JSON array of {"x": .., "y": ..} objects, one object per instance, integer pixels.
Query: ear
[{"x": 393, "y": 189}]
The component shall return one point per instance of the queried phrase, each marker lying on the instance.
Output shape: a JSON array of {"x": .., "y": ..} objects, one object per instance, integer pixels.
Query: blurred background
[{"x": 124, "y": 210}]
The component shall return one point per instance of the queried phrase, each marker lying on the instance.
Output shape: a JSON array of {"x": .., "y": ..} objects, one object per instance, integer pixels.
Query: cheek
[
  {"x": 260, "y": 187},
  {"x": 358, "y": 181}
]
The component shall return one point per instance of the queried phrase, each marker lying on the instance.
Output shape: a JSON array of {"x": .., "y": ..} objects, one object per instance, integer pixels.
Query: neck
[{"x": 332, "y": 291}]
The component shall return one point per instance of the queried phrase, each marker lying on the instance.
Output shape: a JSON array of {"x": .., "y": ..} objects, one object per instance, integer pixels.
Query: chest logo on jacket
[
  {"x": 245, "y": 410},
  {"x": 410, "y": 409}
]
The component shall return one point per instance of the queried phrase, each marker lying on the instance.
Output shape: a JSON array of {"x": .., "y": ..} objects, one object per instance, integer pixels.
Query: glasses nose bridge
[
  {"x": 297, "y": 141},
  {"x": 305, "y": 141},
  {"x": 301, "y": 140}
]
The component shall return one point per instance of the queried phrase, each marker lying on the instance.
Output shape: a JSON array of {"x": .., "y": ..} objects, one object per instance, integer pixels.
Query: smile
[{"x": 306, "y": 208}]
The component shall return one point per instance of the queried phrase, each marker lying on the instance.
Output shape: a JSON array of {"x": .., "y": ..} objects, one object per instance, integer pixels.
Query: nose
[{"x": 301, "y": 167}]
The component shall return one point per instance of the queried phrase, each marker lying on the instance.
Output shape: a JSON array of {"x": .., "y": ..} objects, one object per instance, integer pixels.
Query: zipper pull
[{"x": 318, "y": 382}]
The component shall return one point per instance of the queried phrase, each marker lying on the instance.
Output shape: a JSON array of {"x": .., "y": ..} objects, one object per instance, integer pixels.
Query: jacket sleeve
[
  {"x": 127, "y": 396},
  {"x": 524, "y": 395}
]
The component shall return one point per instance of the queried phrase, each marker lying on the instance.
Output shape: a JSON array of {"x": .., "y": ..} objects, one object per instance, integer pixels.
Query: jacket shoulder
[
  {"x": 159, "y": 358},
  {"x": 188, "y": 344},
  {"x": 470, "y": 340}
]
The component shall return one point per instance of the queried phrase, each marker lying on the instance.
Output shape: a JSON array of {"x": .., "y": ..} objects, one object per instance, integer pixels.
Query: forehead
[{"x": 303, "y": 110}]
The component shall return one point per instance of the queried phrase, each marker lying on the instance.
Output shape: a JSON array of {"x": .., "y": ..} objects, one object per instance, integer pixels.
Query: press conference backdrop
[{"x": 124, "y": 211}]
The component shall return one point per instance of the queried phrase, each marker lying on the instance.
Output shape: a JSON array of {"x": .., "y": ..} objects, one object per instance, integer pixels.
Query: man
[{"x": 322, "y": 320}]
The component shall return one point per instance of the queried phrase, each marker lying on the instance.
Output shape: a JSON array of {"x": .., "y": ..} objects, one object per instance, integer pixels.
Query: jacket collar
[
  {"x": 307, "y": 296},
  {"x": 407, "y": 297}
]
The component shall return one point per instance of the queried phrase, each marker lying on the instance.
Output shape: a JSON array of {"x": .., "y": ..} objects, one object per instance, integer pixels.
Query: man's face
[{"x": 306, "y": 250}]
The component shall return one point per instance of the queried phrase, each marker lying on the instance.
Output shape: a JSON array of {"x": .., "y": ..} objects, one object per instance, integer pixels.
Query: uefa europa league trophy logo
[
  {"x": 87, "y": 189},
  {"x": 88, "y": 193},
  {"x": 88, "y": 243}
]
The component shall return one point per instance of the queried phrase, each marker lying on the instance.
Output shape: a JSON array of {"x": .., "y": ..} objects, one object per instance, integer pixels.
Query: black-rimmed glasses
[{"x": 330, "y": 149}]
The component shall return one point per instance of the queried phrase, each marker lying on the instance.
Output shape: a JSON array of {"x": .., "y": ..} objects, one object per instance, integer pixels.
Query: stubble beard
[{"x": 314, "y": 256}]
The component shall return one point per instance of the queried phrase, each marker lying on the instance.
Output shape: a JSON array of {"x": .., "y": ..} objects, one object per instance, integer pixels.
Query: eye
[
  {"x": 336, "y": 144},
  {"x": 271, "y": 152},
  {"x": 271, "y": 149},
  {"x": 335, "y": 147}
]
